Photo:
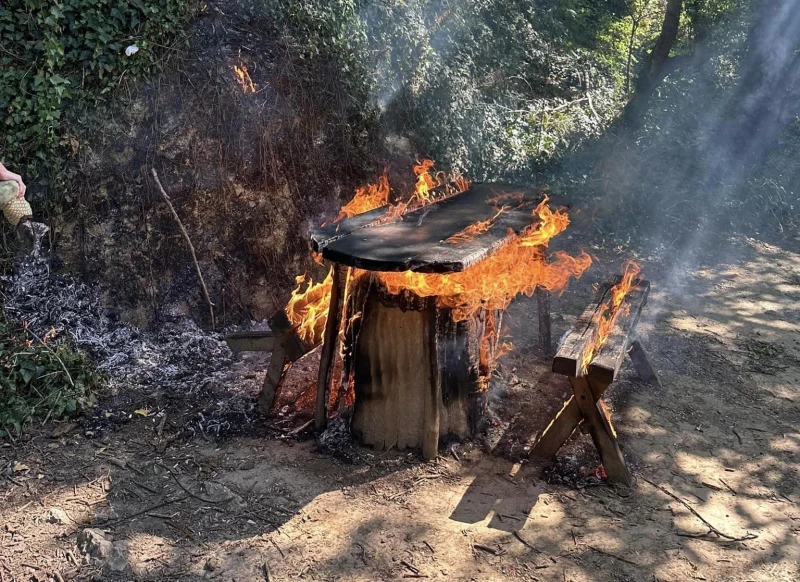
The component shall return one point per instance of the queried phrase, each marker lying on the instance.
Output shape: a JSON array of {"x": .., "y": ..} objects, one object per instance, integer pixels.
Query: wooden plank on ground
[
  {"x": 607, "y": 361},
  {"x": 251, "y": 341}
]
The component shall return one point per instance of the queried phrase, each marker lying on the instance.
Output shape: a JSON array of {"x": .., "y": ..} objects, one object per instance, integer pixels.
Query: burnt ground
[{"x": 721, "y": 436}]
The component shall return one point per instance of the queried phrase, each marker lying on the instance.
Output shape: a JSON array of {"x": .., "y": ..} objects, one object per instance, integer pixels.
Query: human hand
[{"x": 6, "y": 174}]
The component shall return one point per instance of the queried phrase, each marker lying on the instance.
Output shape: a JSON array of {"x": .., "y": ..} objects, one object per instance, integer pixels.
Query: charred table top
[{"x": 418, "y": 240}]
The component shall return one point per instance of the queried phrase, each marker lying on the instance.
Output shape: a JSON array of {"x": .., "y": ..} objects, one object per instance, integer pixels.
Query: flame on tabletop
[
  {"x": 475, "y": 228},
  {"x": 367, "y": 198},
  {"x": 243, "y": 78},
  {"x": 373, "y": 196},
  {"x": 307, "y": 309},
  {"x": 517, "y": 268},
  {"x": 611, "y": 310}
]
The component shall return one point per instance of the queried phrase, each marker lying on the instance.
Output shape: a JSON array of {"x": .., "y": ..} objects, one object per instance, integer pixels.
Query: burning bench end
[
  {"x": 581, "y": 343},
  {"x": 608, "y": 358}
]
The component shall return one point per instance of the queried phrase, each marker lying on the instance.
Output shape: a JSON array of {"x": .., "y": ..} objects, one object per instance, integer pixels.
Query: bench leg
[
  {"x": 603, "y": 434},
  {"x": 543, "y": 307},
  {"x": 328, "y": 351},
  {"x": 277, "y": 367},
  {"x": 641, "y": 364},
  {"x": 560, "y": 428}
]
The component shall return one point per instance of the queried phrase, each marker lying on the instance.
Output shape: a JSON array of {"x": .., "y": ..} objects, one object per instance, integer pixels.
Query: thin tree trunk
[
  {"x": 656, "y": 68},
  {"x": 630, "y": 56}
]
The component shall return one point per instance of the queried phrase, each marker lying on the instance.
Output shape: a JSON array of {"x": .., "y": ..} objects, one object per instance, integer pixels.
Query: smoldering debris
[
  {"x": 178, "y": 360},
  {"x": 338, "y": 441}
]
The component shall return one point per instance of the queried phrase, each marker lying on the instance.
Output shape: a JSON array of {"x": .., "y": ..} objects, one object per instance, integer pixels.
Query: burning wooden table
[
  {"x": 590, "y": 356},
  {"x": 414, "y": 303}
]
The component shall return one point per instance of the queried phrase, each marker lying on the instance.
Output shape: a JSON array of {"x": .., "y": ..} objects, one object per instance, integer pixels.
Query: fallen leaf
[
  {"x": 20, "y": 467},
  {"x": 141, "y": 412},
  {"x": 62, "y": 429}
]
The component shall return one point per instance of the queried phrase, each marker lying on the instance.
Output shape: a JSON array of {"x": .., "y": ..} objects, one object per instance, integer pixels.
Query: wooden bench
[{"x": 585, "y": 409}]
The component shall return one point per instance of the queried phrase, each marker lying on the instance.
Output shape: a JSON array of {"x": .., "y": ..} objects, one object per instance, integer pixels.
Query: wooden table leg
[
  {"x": 433, "y": 396},
  {"x": 543, "y": 308},
  {"x": 328, "y": 353},
  {"x": 605, "y": 441},
  {"x": 277, "y": 367}
]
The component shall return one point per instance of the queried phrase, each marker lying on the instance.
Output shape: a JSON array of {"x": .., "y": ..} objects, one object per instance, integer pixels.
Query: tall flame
[
  {"x": 425, "y": 182},
  {"x": 611, "y": 310},
  {"x": 307, "y": 309},
  {"x": 367, "y": 198}
]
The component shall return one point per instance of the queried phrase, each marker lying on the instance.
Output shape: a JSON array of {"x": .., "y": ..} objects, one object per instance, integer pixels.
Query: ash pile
[{"x": 178, "y": 363}]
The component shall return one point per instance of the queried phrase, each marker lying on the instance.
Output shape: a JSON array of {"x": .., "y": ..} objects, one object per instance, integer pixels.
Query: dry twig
[
  {"x": 191, "y": 246},
  {"x": 711, "y": 528},
  {"x": 525, "y": 543},
  {"x": 49, "y": 349}
]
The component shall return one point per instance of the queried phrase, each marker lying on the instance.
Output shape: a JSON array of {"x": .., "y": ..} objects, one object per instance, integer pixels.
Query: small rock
[
  {"x": 94, "y": 544},
  {"x": 118, "y": 561},
  {"x": 59, "y": 516},
  {"x": 101, "y": 551}
]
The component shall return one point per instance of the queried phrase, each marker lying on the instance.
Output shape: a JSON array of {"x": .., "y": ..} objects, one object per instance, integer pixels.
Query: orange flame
[
  {"x": 244, "y": 80},
  {"x": 367, "y": 198},
  {"x": 475, "y": 228},
  {"x": 373, "y": 196},
  {"x": 425, "y": 181},
  {"x": 611, "y": 310},
  {"x": 517, "y": 268},
  {"x": 307, "y": 309}
]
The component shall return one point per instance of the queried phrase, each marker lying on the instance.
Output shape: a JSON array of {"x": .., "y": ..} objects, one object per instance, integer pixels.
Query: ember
[{"x": 244, "y": 80}]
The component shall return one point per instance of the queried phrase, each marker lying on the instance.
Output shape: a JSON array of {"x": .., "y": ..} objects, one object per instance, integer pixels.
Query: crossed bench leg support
[{"x": 585, "y": 410}]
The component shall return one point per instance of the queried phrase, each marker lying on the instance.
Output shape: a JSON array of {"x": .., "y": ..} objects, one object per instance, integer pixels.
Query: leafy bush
[
  {"x": 40, "y": 380},
  {"x": 496, "y": 87},
  {"x": 59, "y": 56}
]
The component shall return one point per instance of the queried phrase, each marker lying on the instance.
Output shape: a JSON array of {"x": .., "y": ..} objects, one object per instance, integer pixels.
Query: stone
[
  {"x": 57, "y": 515},
  {"x": 97, "y": 546},
  {"x": 94, "y": 544}
]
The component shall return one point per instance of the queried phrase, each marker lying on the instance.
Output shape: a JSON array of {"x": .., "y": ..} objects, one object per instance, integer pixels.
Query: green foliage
[
  {"x": 495, "y": 88},
  {"x": 323, "y": 73},
  {"x": 34, "y": 383},
  {"x": 56, "y": 57}
]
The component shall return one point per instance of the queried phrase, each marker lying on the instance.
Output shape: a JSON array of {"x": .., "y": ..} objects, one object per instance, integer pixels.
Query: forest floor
[{"x": 723, "y": 331}]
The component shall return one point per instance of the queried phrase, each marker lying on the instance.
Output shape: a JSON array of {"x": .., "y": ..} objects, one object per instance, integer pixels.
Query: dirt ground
[{"x": 720, "y": 438}]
